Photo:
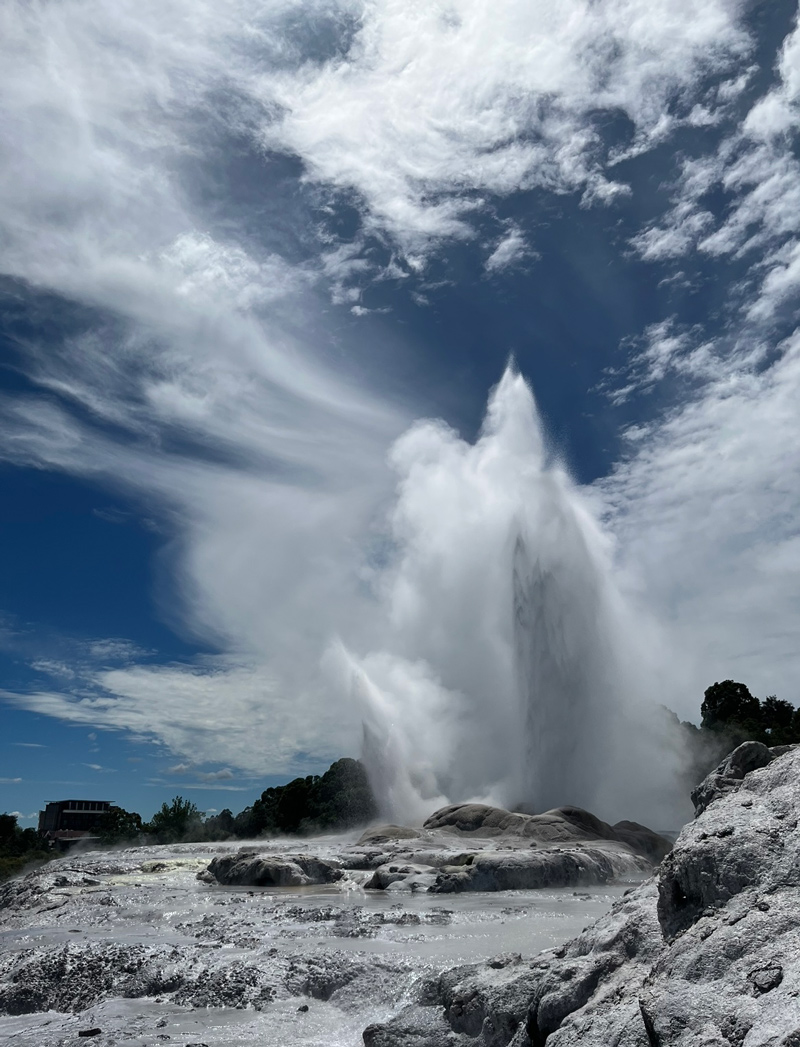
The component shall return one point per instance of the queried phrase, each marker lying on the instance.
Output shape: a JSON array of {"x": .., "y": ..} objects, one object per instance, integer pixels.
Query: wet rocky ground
[
  {"x": 706, "y": 953},
  {"x": 134, "y": 945}
]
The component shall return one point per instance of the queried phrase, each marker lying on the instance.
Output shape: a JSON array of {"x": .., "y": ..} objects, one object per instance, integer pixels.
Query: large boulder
[
  {"x": 410, "y": 874},
  {"x": 509, "y": 850},
  {"x": 540, "y": 867},
  {"x": 382, "y": 834},
  {"x": 747, "y": 757},
  {"x": 705, "y": 954},
  {"x": 477, "y": 818},
  {"x": 562, "y": 825},
  {"x": 251, "y": 869}
]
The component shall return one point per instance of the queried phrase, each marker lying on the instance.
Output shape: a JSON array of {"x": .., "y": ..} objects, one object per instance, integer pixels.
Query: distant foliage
[
  {"x": 120, "y": 826},
  {"x": 729, "y": 709},
  {"x": 337, "y": 800},
  {"x": 728, "y": 703},
  {"x": 18, "y": 847},
  {"x": 176, "y": 821},
  {"x": 732, "y": 715}
]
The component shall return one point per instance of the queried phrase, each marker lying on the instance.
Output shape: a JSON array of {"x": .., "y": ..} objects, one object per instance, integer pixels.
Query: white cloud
[
  {"x": 216, "y": 776},
  {"x": 179, "y": 768},
  {"x": 208, "y": 714},
  {"x": 756, "y": 167},
  {"x": 706, "y": 505},
  {"x": 706, "y": 511},
  {"x": 114, "y": 650},
  {"x": 10, "y": 781},
  {"x": 510, "y": 249},
  {"x": 53, "y": 668},
  {"x": 209, "y": 776},
  {"x": 432, "y": 104},
  {"x": 422, "y": 112}
]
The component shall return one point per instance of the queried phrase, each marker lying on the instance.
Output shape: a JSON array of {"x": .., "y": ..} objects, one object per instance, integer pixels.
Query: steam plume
[{"x": 513, "y": 670}]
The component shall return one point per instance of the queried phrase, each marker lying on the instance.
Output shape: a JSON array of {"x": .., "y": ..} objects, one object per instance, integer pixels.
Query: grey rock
[
  {"x": 380, "y": 834},
  {"x": 414, "y": 1027},
  {"x": 533, "y": 869},
  {"x": 561, "y": 825},
  {"x": 75, "y": 977},
  {"x": 565, "y": 847},
  {"x": 704, "y": 954},
  {"x": 476, "y": 818},
  {"x": 396, "y": 872},
  {"x": 643, "y": 840},
  {"x": 729, "y": 775},
  {"x": 250, "y": 869}
]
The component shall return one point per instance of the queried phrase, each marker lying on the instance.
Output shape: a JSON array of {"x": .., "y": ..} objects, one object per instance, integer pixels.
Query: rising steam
[{"x": 512, "y": 670}]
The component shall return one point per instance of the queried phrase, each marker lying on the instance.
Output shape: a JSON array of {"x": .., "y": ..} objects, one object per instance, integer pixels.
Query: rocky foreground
[
  {"x": 342, "y": 939},
  {"x": 704, "y": 954},
  {"x": 130, "y": 948}
]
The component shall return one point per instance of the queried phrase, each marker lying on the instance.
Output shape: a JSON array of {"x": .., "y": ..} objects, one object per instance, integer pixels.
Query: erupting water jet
[{"x": 513, "y": 671}]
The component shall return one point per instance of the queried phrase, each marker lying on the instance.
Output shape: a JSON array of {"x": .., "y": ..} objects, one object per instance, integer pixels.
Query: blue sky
[{"x": 247, "y": 246}]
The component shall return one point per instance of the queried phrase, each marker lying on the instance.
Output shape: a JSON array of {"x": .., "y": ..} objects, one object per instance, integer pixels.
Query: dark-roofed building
[{"x": 66, "y": 820}]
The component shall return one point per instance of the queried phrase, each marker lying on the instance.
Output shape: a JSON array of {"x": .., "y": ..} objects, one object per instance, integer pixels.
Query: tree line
[
  {"x": 335, "y": 801},
  {"x": 730, "y": 715},
  {"x": 730, "y": 710},
  {"x": 338, "y": 800},
  {"x": 18, "y": 847}
]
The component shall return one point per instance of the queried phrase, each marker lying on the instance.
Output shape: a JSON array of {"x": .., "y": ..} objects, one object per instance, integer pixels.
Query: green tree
[
  {"x": 343, "y": 796},
  {"x": 221, "y": 825},
  {"x": 176, "y": 821},
  {"x": 295, "y": 804},
  {"x": 117, "y": 825},
  {"x": 339, "y": 799},
  {"x": 18, "y": 847},
  {"x": 777, "y": 717},
  {"x": 730, "y": 704}
]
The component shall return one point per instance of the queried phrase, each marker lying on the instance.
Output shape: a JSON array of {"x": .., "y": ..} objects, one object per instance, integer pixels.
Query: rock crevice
[{"x": 704, "y": 954}]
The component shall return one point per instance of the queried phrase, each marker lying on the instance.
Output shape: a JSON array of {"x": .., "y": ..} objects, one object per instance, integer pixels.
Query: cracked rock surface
[{"x": 704, "y": 954}]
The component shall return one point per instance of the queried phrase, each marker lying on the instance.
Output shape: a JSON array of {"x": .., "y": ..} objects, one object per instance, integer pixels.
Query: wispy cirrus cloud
[
  {"x": 706, "y": 502},
  {"x": 222, "y": 711}
]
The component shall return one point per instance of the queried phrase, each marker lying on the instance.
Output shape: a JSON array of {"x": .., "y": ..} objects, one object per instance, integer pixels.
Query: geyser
[{"x": 511, "y": 669}]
